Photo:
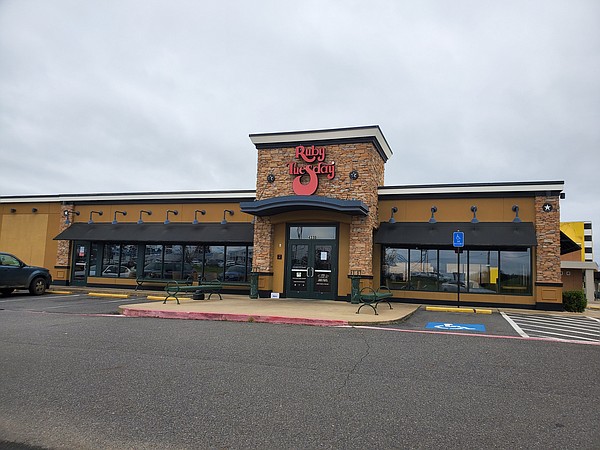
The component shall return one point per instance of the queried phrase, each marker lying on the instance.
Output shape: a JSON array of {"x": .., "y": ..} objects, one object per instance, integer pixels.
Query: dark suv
[{"x": 15, "y": 274}]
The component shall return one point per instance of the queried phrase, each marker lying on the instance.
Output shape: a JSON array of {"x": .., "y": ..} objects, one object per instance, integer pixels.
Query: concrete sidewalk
[{"x": 240, "y": 308}]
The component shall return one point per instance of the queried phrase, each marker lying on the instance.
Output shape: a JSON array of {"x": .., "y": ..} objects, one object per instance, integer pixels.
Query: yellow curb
[
  {"x": 596, "y": 307},
  {"x": 458, "y": 310},
  {"x": 102, "y": 294},
  {"x": 59, "y": 292},
  {"x": 449, "y": 309}
]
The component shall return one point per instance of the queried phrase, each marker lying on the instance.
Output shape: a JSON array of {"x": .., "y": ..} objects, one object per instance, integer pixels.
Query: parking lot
[{"x": 76, "y": 303}]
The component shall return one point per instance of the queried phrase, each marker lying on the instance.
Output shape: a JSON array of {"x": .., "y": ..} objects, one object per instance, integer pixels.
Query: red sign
[{"x": 315, "y": 156}]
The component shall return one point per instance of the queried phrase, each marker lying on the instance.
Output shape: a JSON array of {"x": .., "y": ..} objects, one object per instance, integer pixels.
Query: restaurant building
[{"x": 319, "y": 219}]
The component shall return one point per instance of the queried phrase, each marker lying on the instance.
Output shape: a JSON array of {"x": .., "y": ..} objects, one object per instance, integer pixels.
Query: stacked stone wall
[
  {"x": 547, "y": 228},
  {"x": 362, "y": 158}
]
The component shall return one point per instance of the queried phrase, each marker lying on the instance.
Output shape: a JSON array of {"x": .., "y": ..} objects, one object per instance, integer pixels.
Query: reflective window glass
[
  {"x": 310, "y": 232},
  {"x": 515, "y": 272},
  {"x": 423, "y": 270},
  {"x": 483, "y": 271},
  {"x": 395, "y": 268},
  {"x": 214, "y": 265},
  {"x": 153, "y": 255},
  {"x": 236, "y": 264}
]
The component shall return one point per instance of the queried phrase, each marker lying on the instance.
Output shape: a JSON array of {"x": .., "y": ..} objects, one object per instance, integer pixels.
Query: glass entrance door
[
  {"x": 312, "y": 263},
  {"x": 80, "y": 260}
]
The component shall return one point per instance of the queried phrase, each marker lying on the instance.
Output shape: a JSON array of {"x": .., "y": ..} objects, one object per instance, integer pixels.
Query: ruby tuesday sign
[{"x": 314, "y": 157}]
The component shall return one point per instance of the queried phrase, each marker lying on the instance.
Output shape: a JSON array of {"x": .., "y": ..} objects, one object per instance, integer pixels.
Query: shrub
[{"x": 574, "y": 301}]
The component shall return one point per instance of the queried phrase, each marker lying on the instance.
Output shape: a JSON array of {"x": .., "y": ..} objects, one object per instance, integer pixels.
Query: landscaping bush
[{"x": 574, "y": 301}]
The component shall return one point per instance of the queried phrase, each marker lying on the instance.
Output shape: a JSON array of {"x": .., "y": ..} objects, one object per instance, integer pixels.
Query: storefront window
[
  {"x": 236, "y": 264},
  {"x": 194, "y": 257},
  {"x": 93, "y": 259},
  {"x": 395, "y": 268},
  {"x": 214, "y": 266},
  {"x": 481, "y": 271},
  {"x": 423, "y": 270},
  {"x": 153, "y": 256},
  {"x": 110, "y": 261},
  {"x": 515, "y": 272},
  {"x": 449, "y": 273},
  {"x": 128, "y": 260}
]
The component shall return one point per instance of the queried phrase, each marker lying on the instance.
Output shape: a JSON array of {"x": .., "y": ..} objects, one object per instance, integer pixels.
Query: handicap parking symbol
[{"x": 455, "y": 326}]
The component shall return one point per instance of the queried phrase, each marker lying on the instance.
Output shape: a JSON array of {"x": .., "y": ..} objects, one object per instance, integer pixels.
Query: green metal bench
[
  {"x": 174, "y": 288},
  {"x": 371, "y": 297},
  {"x": 141, "y": 280}
]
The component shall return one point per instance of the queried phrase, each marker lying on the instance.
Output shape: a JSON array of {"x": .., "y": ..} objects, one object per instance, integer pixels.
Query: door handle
[{"x": 311, "y": 272}]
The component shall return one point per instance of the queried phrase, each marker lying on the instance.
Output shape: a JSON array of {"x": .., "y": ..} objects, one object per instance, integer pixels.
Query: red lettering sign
[{"x": 310, "y": 154}]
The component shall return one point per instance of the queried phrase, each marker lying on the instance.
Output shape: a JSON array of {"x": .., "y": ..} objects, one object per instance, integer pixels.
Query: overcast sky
[{"x": 113, "y": 95}]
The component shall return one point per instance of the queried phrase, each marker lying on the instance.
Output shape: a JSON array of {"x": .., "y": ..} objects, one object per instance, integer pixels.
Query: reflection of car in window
[
  {"x": 118, "y": 271},
  {"x": 235, "y": 273}
]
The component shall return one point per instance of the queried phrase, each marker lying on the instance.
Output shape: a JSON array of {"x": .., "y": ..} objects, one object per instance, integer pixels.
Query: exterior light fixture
[
  {"x": 433, "y": 211},
  {"x": 515, "y": 209},
  {"x": 68, "y": 213},
  {"x": 174, "y": 211},
  {"x": 114, "y": 222},
  {"x": 140, "y": 221},
  {"x": 201, "y": 211},
  {"x": 94, "y": 212},
  {"x": 34, "y": 210},
  {"x": 474, "y": 211},
  {"x": 224, "y": 221},
  {"x": 394, "y": 211},
  {"x": 13, "y": 210}
]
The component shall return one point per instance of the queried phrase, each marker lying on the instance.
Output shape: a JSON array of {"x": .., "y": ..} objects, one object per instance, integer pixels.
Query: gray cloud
[{"x": 102, "y": 96}]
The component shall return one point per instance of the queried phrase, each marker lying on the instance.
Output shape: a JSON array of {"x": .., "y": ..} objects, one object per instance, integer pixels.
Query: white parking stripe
[
  {"x": 514, "y": 325},
  {"x": 566, "y": 336},
  {"x": 591, "y": 329}
]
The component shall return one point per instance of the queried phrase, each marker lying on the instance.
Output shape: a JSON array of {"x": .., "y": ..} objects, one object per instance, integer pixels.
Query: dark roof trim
[
  {"x": 278, "y": 205},
  {"x": 230, "y": 233},
  {"x": 483, "y": 234}
]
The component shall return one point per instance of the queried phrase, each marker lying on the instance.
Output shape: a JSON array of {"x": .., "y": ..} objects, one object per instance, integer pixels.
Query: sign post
[{"x": 458, "y": 242}]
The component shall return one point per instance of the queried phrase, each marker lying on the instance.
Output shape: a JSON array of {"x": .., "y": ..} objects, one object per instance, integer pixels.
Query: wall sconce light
[
  {"x": 34, "y": 210},
  {"x": 433, "y": 211},
  {"x": 224, "y": 221},
  {"x": 515, "y": 208},
  {"x": 474, "y": 211},
  {"x": 13, "y": 210},
  {"x": 174, "y": 211},
  {"x": 114, "y": 222},
  {"x": 140, "y": 221},
  {"x": 394, "y": 211},
  {"x": 68, "y": 213},
  {"x": 201, "y": 211},
  {"x": 94, "y": 212}
]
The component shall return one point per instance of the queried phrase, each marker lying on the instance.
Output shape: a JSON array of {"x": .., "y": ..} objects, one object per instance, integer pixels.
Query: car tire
[
  {"x": 37, "y": 286},
  {"x": 7, "y": 291}
]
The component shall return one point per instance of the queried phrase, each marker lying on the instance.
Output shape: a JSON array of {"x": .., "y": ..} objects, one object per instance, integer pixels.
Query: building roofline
[
  {"x": 473, "y": 188},
  {"x": 353, "y": 134}
]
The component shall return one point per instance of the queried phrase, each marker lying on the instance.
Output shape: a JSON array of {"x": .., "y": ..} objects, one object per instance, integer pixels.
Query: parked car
[{"x": 15, "y": 274}]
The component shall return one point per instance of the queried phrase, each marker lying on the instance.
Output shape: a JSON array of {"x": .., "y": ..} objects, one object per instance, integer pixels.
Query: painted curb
[
  {"x": 59, "y": 292},
  {"x": 103, "y": 294},
  {"x": 458, "y": 310},
  {"x": 129, "y": 312}
]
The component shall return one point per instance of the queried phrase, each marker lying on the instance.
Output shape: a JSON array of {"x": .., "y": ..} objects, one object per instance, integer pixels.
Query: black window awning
[
  {"x": 278, "y": 205},
  {"x": 229, "y": 233},
  {"x": 483, "y": 234}
]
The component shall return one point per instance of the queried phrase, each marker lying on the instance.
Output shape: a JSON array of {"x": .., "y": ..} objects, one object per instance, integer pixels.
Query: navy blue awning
[{"x": 278, "y": 205}]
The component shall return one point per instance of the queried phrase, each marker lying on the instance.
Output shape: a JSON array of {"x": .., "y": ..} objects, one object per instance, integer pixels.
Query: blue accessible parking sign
[
  {"x": 456, "y": 326},
  {"x": 458, "y": 239}
]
